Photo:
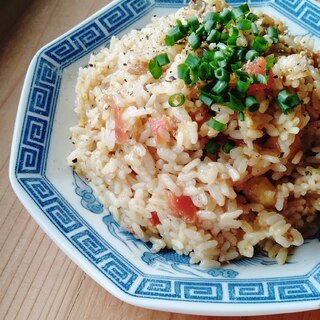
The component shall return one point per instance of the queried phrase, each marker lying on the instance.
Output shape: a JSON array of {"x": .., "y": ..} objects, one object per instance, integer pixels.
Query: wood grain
[{"x": 37, "y": 281}]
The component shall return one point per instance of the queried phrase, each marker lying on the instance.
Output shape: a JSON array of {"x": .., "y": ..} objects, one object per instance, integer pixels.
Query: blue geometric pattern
[
  {"x": 307, "y": 13},
  {"x": 177, "y": 290},
  {"x": 32, "y": 159},
  {"x": 88, "y": 199}
]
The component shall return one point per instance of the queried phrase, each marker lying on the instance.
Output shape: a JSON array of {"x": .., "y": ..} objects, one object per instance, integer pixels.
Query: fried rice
[{"x": 147, "y": 160}]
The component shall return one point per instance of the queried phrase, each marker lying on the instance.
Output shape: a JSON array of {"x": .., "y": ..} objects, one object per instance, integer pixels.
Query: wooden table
[{"x": 37, "y": 281}]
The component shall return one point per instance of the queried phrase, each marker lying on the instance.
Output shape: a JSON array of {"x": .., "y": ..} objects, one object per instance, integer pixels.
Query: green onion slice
[
  {"x": 176, "y": 100},
  {"x": 207, "y": 99},
  {"x": 273, "y": 34},
  {"x": 193, "y": 23},
  {"x": 244, "y": 24},
  {"x": 208, "y": 55},
  {"x": 154, "y": 68},
  {"x": 175, "y": 34},
  {"x": 251, "y": 103},
  {"x": 242, "y": 86},
  {"x": 225, "y": 16},
  {"x": 162, "y": 59},
  {"x": 216, "y": 125},
  {"x": 212, "y": 147},
  {"x": 192, "y": 61},
  {"x": 209, "y": 25},
  {"x": 222, "y": 74},
  {"x": 212, "y": 16},
  {"x": 184, "y": 74},
  {"x": 244, "y": 8},
  {"x": 235, "y": 103},
  {"x": 213, "y": 36},
  {"x": 241, "y": 116},
  {"x": 251, "y": 55},
  {"x": 254, "y": 29},
  {"x": 228, "y": 146},
  {"x": 237, "y": 13},
  {"x": 259, "y": 78},
  {"x": 287, "y": 101},
  {"x": 194, "y": 41},
  {"x": 260, "y": 44},
  {"x": 269, "y": 63},
  {"x": 156, "y": 63},
  {"x": 221, "y": 87},
  {"x": 252, "y": 17}
]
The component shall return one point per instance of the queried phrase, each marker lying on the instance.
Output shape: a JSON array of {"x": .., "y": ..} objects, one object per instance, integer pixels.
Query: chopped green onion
[
  {"x": 206, "y": 99},
  {"x": 251, "y": 55},
  {"x": 237, "y": 13},
  {"x": 224, "y": 37},
  {"x": 254, "y": 29},
  {"x": 233, "y": 36},
  {"x": 200, "y": 31},
  {"x": 205, "y": 71},
  {"x": 244, "y": 24},
  {"x": 184, "y": 74},
  {"x": 236, "y": 66},
  {"x": 228, "y": 52},
  {"x": 251, "y": 103},
  {"x": 228, "y": 146},
  {"x": 175, "y": 34},
  {"x": 212, "y": 147},
  {"x": 287, "y": 101},
  {"x": 235, "y": 103},
  {"x": 260, "y": 44},
  {"x": 213, "y": 36},
  {"x": 209, "y": 25},
  {"x": 269, "y": 63},
  {"x": 222, "y": 74},
  {"x": 193, "y": 23},
  {"x": 242, "y": 86},
  {"x": 242, "y": 75},
  {"x": 216, "y": 125},
  {"x": 259, "y": 78},
  {"x": 194, "y": 41},
  {"x": 176, "y": 100},
  {"x": 219, "y": 60},
  {"x": 213, "y": 16},
  {"x": 241, "y": 116},
  {"x": 286, "y": 97},
  {"x": 208, "y": 55},
  {"x": 221, "y": 87},
  {"x": 273, "y": 34},
  {"x": 154, "y": 68},
  {"x": 240, "y": 53},
  {"x": 252, "y": 17},
  {"x": 225, "y": 16},
  {"x": 156, "y": 63},
  {"x": 221, "y": 46},
  {"x": 244, "y": 8},
  {"x": 192, "y": 61},
  {"x": 162, "y": 59},
  {"x": 208, "y": 87}
]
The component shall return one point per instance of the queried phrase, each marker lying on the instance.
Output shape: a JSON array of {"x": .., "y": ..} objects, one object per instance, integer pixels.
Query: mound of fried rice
[{"x": 140, "y": 154}]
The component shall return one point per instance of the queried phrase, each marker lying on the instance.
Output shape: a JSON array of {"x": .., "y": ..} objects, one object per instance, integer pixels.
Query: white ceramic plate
[{"x": 67, "y": 210}]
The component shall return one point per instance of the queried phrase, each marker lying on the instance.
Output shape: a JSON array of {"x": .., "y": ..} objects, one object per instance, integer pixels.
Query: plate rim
[{"x": 79, "y": 259}]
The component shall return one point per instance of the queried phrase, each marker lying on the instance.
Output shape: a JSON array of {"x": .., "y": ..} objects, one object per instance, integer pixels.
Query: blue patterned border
[{"x": 30, "y": 170}]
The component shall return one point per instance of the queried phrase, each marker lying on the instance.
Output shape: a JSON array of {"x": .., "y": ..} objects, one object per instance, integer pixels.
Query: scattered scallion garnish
[
  {"x": 155, "y": 65},
  {"x": 176, "y": 100},
  {"x": 220, "y": 61},
  {"x": 287, "y": 101},
  {"x": 216, "y": 125},
  {"x": 228, "y": 146},
  {"x": 212, "y": 147}
]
